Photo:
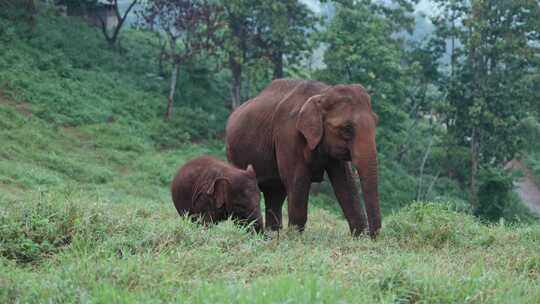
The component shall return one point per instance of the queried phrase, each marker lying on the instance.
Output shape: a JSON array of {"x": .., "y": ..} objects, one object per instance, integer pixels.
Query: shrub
[
  {"x": 186, "y": 125},
  {"x": 37, "y": 230},
  {"x": 493, "y": 194},
  {"x": 436, "y": 225}
]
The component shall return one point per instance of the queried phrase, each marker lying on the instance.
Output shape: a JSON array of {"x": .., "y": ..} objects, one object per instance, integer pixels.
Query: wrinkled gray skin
[{"x": 214, "y": 190}]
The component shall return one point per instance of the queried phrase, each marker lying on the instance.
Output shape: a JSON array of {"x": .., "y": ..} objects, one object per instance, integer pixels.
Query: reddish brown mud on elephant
[
  {"x": 214, "y": 190},
  {"x": 293, "y": 132}
]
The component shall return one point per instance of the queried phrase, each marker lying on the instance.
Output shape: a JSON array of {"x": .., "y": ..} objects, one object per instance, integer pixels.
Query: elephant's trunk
[
  {"x": 257, "y": 221},
  {"x": 258, "y": 225},
  {"x": 364, "y": 159}
]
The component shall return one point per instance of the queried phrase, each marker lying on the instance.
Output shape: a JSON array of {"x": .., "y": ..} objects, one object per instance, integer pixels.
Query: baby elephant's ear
[
  {"x": 220, "y": 191},
  {"x": 251, "y": 171}
]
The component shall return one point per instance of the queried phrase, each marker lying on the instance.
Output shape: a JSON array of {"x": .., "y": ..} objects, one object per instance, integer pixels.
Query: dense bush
[
  {"x": 38, "y": 229},
  {"x": 497, "y": 199},
  {"x": 532, "y": 159},
  {"x": 435, "y": 225}
]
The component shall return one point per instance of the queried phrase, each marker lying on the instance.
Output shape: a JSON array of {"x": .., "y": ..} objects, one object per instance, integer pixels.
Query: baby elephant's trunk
[{"x": 258, "y": 224}]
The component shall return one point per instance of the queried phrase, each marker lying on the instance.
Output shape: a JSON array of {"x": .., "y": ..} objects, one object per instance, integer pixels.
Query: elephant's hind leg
[{"x": 273, "y": 200}]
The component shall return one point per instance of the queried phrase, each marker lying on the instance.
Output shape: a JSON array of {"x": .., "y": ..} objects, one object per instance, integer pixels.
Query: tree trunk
[
  {"x": 422, "y": 166},
  {"x": 162, "y": 56},
  {"x": 474, "y": 169},
  {"x": 277, "y": 59},
  {"x": 236, "y": 87},
  {"x": 170, "y": 101}
]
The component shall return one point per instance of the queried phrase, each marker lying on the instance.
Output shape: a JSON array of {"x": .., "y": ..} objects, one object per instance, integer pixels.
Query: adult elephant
[{"x": 293, "y": 132}]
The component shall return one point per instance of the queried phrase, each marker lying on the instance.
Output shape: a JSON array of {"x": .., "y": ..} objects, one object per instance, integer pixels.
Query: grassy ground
[
  {"x": 85, "y": 216},
  {"x": 69, "y": 248}
]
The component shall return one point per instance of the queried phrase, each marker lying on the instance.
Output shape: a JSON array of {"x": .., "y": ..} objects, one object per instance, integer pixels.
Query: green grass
[
  {"x": 70, "y": 248},
  {"x": 68, "y": 75},
  {"x": 107, "y": 159},
  {"x": 85, "y": 216}
]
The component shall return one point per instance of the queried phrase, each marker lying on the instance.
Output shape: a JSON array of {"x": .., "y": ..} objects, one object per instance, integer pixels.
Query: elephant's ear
[
  {"x": 310, "y": 122},
  {"x": 220, "y": 190}
]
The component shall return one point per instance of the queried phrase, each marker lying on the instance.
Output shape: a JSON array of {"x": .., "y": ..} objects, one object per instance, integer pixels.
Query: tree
[
  {"x": 238, "y": 42},
  {"x": 19, "y": 9},
  {"x": 494, "y": 56},
  {"x": 283, "y": 29},
  {"x": 83, "y": 5},
  {"x": 369, "y": 42},
  {"x": 191, "y": 28},
  {"x": 92, "y": 8},
  {"x": 271, "y": 30},
  {"x": 121, "y": 18},
  {"x": 363, "y": 46}
]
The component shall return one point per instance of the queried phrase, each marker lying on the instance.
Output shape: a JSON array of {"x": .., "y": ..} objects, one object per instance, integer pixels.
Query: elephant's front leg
[
  {"x": 297, "y": 195},
  {"x": 273, "y": 199},
  {"x": 346, "y": 192}
]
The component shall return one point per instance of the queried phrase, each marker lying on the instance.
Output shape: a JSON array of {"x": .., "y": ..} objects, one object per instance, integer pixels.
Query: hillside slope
[{"x": 85, "y": 216}]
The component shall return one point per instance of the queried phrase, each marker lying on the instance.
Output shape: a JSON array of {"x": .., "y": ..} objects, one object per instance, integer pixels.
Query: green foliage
[
  {"x": 530, "y": 127},
  {"x": 19, "y": 9},
  {"x": 283, "y": 31},
  {"x": 533, "y": 161},
  {"x": 108, "y": 159},
  {"x": 365, "y": 44},
  {"x": 363, "y": 48},
  {"x": 493, "y": 194},
  {"x": 488, "y": 83}
]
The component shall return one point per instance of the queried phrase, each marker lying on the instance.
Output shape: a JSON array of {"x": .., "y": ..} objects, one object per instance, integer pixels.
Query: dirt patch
[
  {"x": 21, "y": 107},
  {"x": 77, "y": 133},
  {"x": 527, "y": 187},
  {"x": 10, "y": 191}
]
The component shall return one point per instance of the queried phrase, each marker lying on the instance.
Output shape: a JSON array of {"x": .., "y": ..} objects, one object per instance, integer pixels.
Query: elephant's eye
[{"x": 347, "y": 131}]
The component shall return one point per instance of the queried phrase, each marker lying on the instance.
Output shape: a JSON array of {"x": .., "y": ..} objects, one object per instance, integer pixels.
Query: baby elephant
[{"x": 215, "y": 190}]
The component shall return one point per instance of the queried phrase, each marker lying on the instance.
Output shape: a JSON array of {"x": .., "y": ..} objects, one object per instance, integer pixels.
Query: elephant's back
[
  {"x": 184, "y": 183},
  {"x": 250, "y": 128},
  {"x": 249, "y": 138},
  {"x": 259, "y": 110},
  {"x": 181, "y": 186}
]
